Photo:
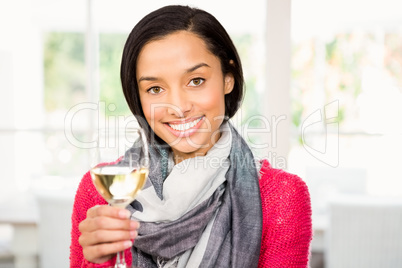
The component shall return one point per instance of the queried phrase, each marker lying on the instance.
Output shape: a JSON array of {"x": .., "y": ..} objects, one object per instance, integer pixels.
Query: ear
[{"x": 229, "y": 83}]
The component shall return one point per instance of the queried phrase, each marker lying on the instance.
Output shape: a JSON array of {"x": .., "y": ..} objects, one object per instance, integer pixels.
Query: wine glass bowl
[{"x": 118, "y": 185}]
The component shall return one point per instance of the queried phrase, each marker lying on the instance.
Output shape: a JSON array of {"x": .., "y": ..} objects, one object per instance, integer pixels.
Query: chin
[{"x": 186, "y": 148}]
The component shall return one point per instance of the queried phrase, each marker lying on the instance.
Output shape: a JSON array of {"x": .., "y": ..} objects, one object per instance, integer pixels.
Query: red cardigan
[{"x": 287, "y": 228}]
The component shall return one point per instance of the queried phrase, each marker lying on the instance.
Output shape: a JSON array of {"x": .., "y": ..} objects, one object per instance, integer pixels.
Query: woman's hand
[{"x": 106, "y": 231}]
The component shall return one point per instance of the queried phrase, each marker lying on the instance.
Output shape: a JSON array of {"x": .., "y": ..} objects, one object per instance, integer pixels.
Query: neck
[{"x": 179, "y": 156}]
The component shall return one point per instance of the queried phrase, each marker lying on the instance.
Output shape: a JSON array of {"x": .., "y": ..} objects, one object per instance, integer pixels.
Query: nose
[{"x": 179, "y": 104}]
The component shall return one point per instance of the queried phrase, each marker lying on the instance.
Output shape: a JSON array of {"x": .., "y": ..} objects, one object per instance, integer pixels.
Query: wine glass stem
[{"x": 120, "y": 260}]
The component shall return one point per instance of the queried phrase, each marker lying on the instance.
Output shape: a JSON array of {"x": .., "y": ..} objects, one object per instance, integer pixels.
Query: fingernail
[
  {"x": 124, "y": 214},
  {"x": 128, "y": 244},
  {"x": 134, "y": 225},
  {"x": 133, "y": 234}
]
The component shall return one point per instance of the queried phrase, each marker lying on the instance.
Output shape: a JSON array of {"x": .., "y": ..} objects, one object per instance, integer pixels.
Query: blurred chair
[
  {"x": 55, "y": 208},
  {"x": 6, "y": 237},
  {"x": 20, "y": 216},
  {"x": 54, "y": 230},
  {"x": 323, "y": 184},
  {"x": 364, "y": 232}
]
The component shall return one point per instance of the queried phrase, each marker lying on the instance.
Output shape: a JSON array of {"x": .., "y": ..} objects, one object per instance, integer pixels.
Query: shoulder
[
  {"x": 277, "y": 182},
  {"x": 283, "y": 193}
]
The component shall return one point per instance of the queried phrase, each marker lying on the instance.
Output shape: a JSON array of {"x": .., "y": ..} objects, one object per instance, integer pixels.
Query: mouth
[{"x": 186, "y": 128}]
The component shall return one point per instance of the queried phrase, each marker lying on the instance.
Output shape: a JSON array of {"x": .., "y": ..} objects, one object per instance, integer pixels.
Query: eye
[
  {"x": 196, "y": 82},
  {"x": 155, "y": 90}
]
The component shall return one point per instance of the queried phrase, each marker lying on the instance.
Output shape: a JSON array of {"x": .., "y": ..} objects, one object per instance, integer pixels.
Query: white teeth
[{"x": 186, "y": 126}]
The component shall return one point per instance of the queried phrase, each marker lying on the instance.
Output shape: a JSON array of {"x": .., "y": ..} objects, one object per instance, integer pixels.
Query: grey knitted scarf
[{"x": 233, "y": 211}]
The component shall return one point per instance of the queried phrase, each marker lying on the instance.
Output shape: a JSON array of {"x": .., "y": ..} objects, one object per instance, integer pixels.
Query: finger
[
  {"x": 107, "y": 223},
  {"x": 106, "y": 236},
  {"x": 108, "y": 211},
  {"x": 102, "y": 252}
]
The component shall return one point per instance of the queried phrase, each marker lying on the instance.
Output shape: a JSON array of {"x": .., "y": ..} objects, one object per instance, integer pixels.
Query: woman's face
[{"x": 182, "y": 91}]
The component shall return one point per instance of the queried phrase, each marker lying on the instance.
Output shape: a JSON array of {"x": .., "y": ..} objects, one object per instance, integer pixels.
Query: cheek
[
  {"x": 214, "y": 102},
  {"x": 147, "y": 110}
]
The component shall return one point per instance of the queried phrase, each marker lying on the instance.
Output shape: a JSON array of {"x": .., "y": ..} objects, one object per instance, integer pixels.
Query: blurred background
[{"x": 323, "y": 100}]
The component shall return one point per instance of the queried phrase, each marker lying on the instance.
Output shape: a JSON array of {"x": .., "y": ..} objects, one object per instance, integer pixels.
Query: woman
[{"x": 182, "y": 79}]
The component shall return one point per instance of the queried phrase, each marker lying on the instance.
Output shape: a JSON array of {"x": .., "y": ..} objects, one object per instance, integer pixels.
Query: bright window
[{"x": 346, "y": 56}]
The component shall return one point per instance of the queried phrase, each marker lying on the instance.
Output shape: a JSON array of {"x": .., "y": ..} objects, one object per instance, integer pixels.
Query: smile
[
  {"x": 186, "y": 126},
  {"x": 184, "y": 129}
]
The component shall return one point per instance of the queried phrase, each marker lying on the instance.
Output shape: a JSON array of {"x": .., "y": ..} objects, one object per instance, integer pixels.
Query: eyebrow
[
  {"x": 195, "y": 67},
  {"x": 189, "y": 70}
]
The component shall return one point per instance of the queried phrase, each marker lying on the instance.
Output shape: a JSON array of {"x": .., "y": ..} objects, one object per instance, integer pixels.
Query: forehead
[
  {"x": 177, "y": 46},
  {"x": 177, "y": 36}
]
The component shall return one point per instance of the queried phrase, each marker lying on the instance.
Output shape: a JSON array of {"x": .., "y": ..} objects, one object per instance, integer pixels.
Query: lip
[{"x": 187, "y": 132}]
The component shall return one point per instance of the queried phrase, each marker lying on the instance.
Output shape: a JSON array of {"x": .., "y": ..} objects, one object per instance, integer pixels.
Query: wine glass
[{"x": 120, "y": 168}]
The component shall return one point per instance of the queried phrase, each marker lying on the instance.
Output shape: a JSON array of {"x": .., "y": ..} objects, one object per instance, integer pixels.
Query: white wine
[{"x": 118, "y": 185}]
